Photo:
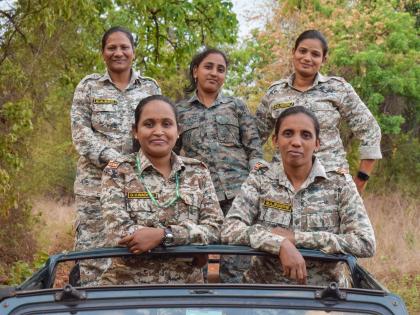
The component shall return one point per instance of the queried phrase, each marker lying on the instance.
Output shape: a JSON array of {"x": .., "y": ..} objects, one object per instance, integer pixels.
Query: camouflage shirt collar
[
  {"x": 319, "y": 78},
  {"x": 145, "y": 163},
  {"x": 220, "y": 99},
  {"x": 317, "y": 171}
]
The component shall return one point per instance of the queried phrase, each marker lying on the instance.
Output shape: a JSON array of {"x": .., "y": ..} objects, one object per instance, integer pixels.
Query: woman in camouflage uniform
[
  {"x": 331, "y": 99},
  {"x": 220, "y": 131},
  {"x": 155, "y": 197},
  {"x": 101, "y": 120},
  {"x": 296, "y": 203}
]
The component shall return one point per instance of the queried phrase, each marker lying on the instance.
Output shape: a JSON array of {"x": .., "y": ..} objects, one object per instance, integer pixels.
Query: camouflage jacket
[
  {"x": 224, "y": 136},
  {"x": 332, "y": 100},
  {"x": 101, "y": 122},
  {"x": 196, "y": 218},
  {"x": 326, "y": 213}
]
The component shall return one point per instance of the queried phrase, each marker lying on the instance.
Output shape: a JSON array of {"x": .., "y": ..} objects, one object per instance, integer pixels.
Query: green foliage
[
  {"x": 20, "y": 270},
  {"x": 46, "y": 47}
]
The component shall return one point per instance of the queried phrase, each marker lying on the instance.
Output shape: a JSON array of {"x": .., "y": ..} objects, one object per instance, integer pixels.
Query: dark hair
[
  {"x": 313, "y": 34},
  {"x": 294, "y": 110},
  {"x": 147, "y": 100},
  {"x": 116, "y": 29},
  {"x": 195, "y": 62}
]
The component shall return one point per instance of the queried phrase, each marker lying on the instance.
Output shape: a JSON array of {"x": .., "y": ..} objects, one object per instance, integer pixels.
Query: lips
[
  {"x": 294, "y": 153},
  {"x": 158, "y": 141}
]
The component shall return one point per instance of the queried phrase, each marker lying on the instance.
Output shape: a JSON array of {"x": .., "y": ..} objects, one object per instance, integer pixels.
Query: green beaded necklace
[{"x": 169, "y": 202}]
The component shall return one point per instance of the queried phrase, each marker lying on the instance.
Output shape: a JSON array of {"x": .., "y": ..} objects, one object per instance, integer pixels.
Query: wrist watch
[
  {"x": 362, "y": 176},
  {"x": 168, "y": 237}
]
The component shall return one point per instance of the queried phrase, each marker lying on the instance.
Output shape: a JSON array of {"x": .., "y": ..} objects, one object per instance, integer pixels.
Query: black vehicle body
[{"x": 37, "y": 296}]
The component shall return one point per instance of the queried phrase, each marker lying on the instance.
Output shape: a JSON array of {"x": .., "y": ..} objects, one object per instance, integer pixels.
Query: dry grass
[
  {"x": 396, "y": 222},
  {"x": 55, "y": 231}
]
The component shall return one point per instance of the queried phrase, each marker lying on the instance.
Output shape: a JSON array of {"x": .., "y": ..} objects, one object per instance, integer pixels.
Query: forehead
[
  {"x": 311, "y": 43},
  {"x": 157, "y": 109},
  {"x": 214, "y": 58},
  {"x": 298, "y": 121},
  {"x": 118, "y": 37}
]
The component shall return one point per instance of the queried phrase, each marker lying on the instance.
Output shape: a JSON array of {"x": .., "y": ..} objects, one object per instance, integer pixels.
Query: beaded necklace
[{"x": 169, "y": 202}]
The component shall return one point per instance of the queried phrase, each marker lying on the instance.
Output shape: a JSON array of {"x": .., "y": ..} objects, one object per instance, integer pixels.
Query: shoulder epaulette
[
  {"x": 338, "y": 79},
  {"x": 187, "y": 160},
  {"x": 149, "y": 79},
  {"x": 282, "y": 81},
  {"x": 93, "y": 76},
  {"x": 343, "y": 172}
]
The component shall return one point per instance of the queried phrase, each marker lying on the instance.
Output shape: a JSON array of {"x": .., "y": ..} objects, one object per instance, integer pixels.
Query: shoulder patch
[
  {"x": 113, "y": 164},
  {"x": 260, "y": 166}
]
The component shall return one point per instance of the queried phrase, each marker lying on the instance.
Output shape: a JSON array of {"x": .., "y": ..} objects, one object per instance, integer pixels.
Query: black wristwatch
[
  {"x": 362, "y": 176},
  {"x": 168, "y": 237}
]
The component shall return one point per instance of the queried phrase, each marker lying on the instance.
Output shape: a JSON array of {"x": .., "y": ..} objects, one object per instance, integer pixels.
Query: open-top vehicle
[{"x": 50, "y": 291}]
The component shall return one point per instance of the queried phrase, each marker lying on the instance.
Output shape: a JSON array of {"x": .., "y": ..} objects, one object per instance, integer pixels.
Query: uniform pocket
[
  {"x": 276, "y": 217},
  {"x": 228, "y": 130},
  {"x": 105, "y": 117},
  {"x": 190, "y": 207},
  {"x": 141, "y": 212},
  {"x": 327, "y": 115},
  {"x": 191, "y": 134},
  {"x": 328, "y": 222}
]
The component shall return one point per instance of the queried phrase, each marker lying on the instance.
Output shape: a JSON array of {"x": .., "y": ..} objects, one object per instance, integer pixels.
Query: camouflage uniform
[
  {"x": 195, "y": 218},
  {"x": 225, "y": 137},
  {"x": 330, "y": 99},
  {"x": 101, "y": 121},
  {"x": 326, "y": 213}
]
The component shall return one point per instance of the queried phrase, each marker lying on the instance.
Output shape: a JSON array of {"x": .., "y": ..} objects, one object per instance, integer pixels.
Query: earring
[{"x": 195, "y": 80}]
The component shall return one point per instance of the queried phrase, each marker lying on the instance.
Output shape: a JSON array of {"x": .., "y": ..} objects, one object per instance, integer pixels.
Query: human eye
[
  {"x": 148, "y": 124},
  {"x": 307, "y": 135},
  {"x": 111, "y": 47},
  {"x": 221, "y": 69},
  {"x": 287, "y": 133},
  {"x": 316, "y": 54},
  {"x": 167, "y": 123},
  {"x": 302, "y": 50}
]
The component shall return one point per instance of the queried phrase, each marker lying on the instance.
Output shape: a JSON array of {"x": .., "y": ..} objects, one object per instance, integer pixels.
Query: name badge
[
  {"x": 140, "y": 195},
  {"x": 277, "y": 205},
  {"x": 282, "y": 105},
  {"x": 104, "y": 101}
]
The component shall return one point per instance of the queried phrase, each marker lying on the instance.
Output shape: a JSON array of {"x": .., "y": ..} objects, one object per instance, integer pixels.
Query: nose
[
  {"x": 296, "y": 141},
  {"x": 158, "y": 130},
  {"x": 118, "y": 52}
]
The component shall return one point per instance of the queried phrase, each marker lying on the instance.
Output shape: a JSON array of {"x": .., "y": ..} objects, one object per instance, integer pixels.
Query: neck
[
  {"x": 297, "y": 174},
  {"x": 162, "y": 164},
  {"x": 302, "y": 83},
  {"x": 121, "y": 79},
  {"x": 207, "y": 98}
]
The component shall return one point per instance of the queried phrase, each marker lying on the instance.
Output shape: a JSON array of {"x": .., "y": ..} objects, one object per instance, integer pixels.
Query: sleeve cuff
[
  {"x": 181, "y": 235},
  {"x": 370, "y": 152},
  {"x": 271, "y": 244}
]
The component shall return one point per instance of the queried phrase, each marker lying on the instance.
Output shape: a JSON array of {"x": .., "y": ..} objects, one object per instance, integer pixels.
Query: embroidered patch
[
  {"x": 113, "y": 164},
  {"x": 258, "y": 165},
  {"x": 104, "y": 101},
  {"x": 277, "y": 205},
  {"x": 140, "y": 195},
  {"x": 282, "y": 105}
]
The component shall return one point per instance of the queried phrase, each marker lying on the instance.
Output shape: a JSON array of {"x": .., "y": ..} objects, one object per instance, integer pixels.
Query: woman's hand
[
  {"x": 292, "y": 261},
  {"x": 143, "y": 240},
  {"x": 360, "y": 184}
]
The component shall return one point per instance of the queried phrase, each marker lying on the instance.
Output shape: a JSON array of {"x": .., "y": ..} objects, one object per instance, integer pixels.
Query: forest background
[{"x": 46, "y": 47}]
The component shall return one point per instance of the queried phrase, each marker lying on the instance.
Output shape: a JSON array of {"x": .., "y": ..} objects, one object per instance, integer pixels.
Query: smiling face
[
  {"x": 156, "y": 129},
  {"x": 118, "y": 53},
  {"x": 308, "y": 57},
  {"x": 296, "y": 140},
  {"x": 210, "y": 73}
]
